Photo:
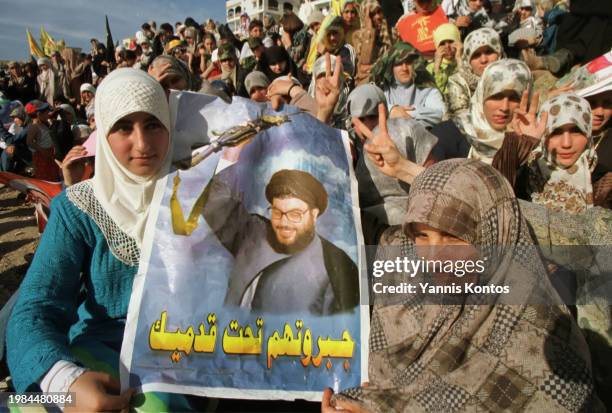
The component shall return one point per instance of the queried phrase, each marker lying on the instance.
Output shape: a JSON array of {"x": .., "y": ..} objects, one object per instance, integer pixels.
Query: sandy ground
[{"x": 18, "y": 240}]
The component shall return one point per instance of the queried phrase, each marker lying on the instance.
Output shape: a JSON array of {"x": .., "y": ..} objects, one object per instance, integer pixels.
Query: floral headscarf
[
  {"x": 382, "y": 71},
  {"x": 499, "y": 76},
  {"x": 554, "y": 186},
  {"x": 474, "y": 41}
]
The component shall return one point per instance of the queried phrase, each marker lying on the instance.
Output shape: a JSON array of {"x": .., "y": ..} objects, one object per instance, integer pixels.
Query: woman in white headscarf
[
  {"x": 73, "y": 301},
  {"x": 479, "y": 132},
  {"x": 48, "y": 81},
  {"x": 480, "y": 48}
]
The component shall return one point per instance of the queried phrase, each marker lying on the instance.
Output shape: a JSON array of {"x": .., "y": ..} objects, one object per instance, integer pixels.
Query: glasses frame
[{"x": 271, "y": 209}]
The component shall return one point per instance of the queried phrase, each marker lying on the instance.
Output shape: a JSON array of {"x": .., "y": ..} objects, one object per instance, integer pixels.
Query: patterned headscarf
[
  {"x": 552, "y": 185},
  {"x": 384, "y": 32},
  {"x": 499, "y": 76},
  {"x": 382, "y": 71},
  {"x": 459, "y": 358},
  {"x": 177, "y": 67},
  {"x": 474, "y": 41}
]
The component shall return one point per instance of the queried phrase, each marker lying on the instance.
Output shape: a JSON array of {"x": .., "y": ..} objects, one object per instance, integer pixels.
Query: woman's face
[
  {"x": 334, "y": 39},
  {"x": 86, "y": 97},
  {"x": 481, "y": 58},
  {"x": 377, "y": 17},
  {"x": 349, "y": 14},
  {"x": 566, "y": 144},
  {"x": 475, "y": 5},
  {"x": 601, "y": 109},
  {"x": 499, "y": 108},
  {"x": 449, "y": 49},
  {"x": 228, "y": 64},
  {"x": 259, "y": 94},
  {"x": 278, "y": 67},
  {"x": 525, "y": 12},
  {"x": 433, "y": 244},
  {"x": 139, "y": 142},
  {"x": 404, "y": 72},
  {"x": 209, "y": 45}
]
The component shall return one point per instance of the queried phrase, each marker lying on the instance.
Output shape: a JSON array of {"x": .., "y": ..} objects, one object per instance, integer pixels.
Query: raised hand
[
  {"x": 327, "y": 91},
  {"x": 525, "y": 122},
  {"x": 73, "y": 165},
  {"x": 382, "y": 151}
]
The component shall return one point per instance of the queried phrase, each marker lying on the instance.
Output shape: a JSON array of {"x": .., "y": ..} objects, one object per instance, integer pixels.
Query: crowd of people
[{"x": 458, "y": 138}]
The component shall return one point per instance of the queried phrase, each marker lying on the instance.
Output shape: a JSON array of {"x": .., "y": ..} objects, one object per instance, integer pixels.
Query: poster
[{"x": 248, "y": 284}]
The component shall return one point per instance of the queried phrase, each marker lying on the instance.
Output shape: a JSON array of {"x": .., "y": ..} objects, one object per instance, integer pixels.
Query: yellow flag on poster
[{"x": 35, "y": 50}]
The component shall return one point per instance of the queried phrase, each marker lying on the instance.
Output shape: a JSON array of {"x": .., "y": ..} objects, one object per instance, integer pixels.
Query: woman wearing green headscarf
[{"x": 409, "y": 89}]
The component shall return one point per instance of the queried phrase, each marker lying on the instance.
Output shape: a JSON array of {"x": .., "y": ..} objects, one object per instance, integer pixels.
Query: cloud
[{"x": 77, "y": 21}]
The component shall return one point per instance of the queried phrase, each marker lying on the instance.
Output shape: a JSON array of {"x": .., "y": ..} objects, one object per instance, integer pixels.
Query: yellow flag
[
  {"x": 34, "y": 49},
  {"x": 47, "y": 42},
  {"x": 336, "y": 8}
]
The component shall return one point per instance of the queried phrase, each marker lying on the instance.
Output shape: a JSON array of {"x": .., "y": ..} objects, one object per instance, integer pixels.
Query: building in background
[{"x": 257, "y": 8}]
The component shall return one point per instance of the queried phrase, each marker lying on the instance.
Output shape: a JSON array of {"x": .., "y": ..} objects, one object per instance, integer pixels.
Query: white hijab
[{"x": 125, "y": 196}]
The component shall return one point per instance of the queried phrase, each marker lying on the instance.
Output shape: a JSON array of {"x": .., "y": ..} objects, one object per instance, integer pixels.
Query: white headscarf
[
  {"x": 552, "y": 185},
  {"x": 501, "y": 75},
  {"x": 125, "y": 196}
]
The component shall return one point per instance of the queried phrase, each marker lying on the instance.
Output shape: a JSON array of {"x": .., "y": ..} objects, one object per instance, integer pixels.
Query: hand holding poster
[{"x": 248, "y": 285}]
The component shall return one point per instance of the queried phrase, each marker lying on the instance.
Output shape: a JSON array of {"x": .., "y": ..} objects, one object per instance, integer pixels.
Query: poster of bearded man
[{"x": 249, "y": 281}]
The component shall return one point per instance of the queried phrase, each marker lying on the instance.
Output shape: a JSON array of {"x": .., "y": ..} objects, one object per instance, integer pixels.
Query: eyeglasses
[{"x": 294, "y": 215}]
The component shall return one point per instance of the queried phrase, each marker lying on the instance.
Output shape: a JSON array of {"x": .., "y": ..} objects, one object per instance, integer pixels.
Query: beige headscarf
[
  {"x": 475, "y": 357},
  {"x": 125, "y": 196},
  {"x": 499, "y": 76}
]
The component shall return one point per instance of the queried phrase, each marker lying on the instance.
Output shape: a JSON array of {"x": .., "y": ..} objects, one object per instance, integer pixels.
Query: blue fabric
[
  {"x": 74, "y": 287},
  {"x": 549, "y": 40},
  {"x": 428, "y": 102}
]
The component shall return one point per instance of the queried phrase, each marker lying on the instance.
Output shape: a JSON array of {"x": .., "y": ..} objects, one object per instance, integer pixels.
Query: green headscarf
[{"x": 382, "y": 72}]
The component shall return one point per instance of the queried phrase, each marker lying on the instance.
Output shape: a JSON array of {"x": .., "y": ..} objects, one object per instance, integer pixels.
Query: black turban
[{"x": 298, "y": 184}]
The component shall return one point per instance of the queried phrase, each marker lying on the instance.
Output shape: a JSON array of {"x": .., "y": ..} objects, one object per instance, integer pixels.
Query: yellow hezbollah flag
[
  {"x": 47, "y": 42},
  {"x": 336, "y": 8},
  {"x": 34, "y": 49}
]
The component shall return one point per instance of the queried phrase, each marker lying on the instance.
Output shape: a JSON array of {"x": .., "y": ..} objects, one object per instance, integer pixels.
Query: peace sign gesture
[
  {"x": 382, "y": 151},
  {"x": 526, "y": 122},
  {"x": 327, "y": 91}
]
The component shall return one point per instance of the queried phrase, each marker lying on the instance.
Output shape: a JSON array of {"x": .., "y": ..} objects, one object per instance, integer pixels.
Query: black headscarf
[{"x": 273, "y": 55}]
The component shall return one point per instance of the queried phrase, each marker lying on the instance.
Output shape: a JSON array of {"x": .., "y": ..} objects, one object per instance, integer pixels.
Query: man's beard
[{"x": 301, "y": 241}]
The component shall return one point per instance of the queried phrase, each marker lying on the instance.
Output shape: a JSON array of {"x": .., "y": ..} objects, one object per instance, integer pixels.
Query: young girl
[{"x": 66, "y": 328}]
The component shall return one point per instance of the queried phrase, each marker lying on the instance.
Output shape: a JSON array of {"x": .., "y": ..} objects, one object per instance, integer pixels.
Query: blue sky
[{"x": 77, "y": 21}]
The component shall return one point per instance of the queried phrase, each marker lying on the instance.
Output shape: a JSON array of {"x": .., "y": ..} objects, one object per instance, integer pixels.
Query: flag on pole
[
  {"x": 46, "y": 42},
  {"x": 110, "y": 45},
  {"x": 35, "y": 50}
]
